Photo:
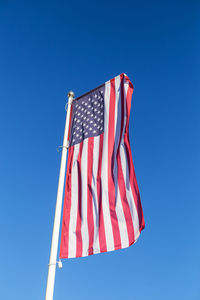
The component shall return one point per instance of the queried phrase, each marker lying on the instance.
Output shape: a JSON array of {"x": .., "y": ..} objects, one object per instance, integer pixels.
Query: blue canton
[{"x": 87, "y": 116}]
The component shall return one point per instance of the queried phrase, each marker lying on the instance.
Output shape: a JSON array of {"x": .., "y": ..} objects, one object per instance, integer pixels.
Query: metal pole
[{"x": 56, "y": 226}]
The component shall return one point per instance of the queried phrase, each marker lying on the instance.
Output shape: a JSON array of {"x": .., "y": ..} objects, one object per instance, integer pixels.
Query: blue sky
[{"x": 49, "y": 48}]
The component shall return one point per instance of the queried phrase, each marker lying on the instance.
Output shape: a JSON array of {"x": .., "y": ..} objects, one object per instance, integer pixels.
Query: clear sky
[{"x": 51, "y": 47}]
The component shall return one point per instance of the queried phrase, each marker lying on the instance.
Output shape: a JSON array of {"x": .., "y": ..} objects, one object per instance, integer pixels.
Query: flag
[{"x": 102, "y": 208}]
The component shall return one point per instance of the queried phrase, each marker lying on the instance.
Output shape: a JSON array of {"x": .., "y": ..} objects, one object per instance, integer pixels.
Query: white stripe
[
  {"x": 95, "y": 203},
  {"x": 104, "y": 174},
  {"x": 74, "y": 204},
  {"x": 125, "y": 170},
  {"x": 84, "y": 187},
  {"x": 118, "y": 201}
]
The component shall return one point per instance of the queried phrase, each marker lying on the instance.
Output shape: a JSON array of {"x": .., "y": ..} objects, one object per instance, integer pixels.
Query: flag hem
[{"x": 99, "y": 252}]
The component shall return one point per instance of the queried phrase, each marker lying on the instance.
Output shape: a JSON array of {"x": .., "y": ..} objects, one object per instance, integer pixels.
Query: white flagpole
[{"x": 56, "y": 226}]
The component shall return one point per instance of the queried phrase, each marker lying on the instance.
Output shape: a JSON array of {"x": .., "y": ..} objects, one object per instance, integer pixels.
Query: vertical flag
[{"x": 102, "y": 208}]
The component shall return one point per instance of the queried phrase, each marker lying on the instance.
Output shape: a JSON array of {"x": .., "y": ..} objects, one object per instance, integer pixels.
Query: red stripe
[
  {"x": 133, "y": 181},
  {"x": 79, "y": 187},
  {"x": 102, "y": 236},
  {"x": 121, "y": 181},
  {"x": 67, "y": 207},
  {"x": 90, "y": 218},
  {"x": 111, "y": 158}
]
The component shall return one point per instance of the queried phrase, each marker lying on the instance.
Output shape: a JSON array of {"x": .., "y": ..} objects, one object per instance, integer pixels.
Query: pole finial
[{"x": 71, "y": 94}]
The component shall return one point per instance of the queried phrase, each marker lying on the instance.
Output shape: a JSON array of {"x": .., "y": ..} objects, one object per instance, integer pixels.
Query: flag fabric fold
[{"x": 102, "y": 208}]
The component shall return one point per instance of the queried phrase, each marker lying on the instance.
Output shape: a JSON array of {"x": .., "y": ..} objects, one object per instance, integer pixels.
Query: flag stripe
[
  {"x": 66, "y": 209},
  {"x": 104, "y": 181},
  {"x": 118, "y": 197},
  {"x": 95, "y": 204},
  {"x": 90, "y": 193},
  {"x": 79, "y": 210},
  {"x": 84, "y": 202},
  {"x": 102, "y": 236},
  {"x": 111, "y": 158}
]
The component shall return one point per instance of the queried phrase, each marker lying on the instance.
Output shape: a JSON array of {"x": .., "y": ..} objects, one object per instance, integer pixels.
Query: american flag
[{"x": 102, "y": 208}]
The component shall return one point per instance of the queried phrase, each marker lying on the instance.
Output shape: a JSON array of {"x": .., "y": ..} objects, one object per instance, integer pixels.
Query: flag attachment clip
[
  {"x": 57, "y": 262},
  {"x": 60, "y": 147},
  {"x": 60, "y": 264}
]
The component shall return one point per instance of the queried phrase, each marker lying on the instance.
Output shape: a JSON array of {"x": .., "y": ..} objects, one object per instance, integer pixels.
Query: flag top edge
[{"x": 107, "y": 82}]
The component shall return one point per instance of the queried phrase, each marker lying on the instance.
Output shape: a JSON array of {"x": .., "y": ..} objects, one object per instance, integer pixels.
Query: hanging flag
[{"x": 102, "y": 209}]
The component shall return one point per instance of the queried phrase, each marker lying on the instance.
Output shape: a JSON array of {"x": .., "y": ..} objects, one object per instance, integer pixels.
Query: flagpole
[{"x": 56, "y": 226}]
